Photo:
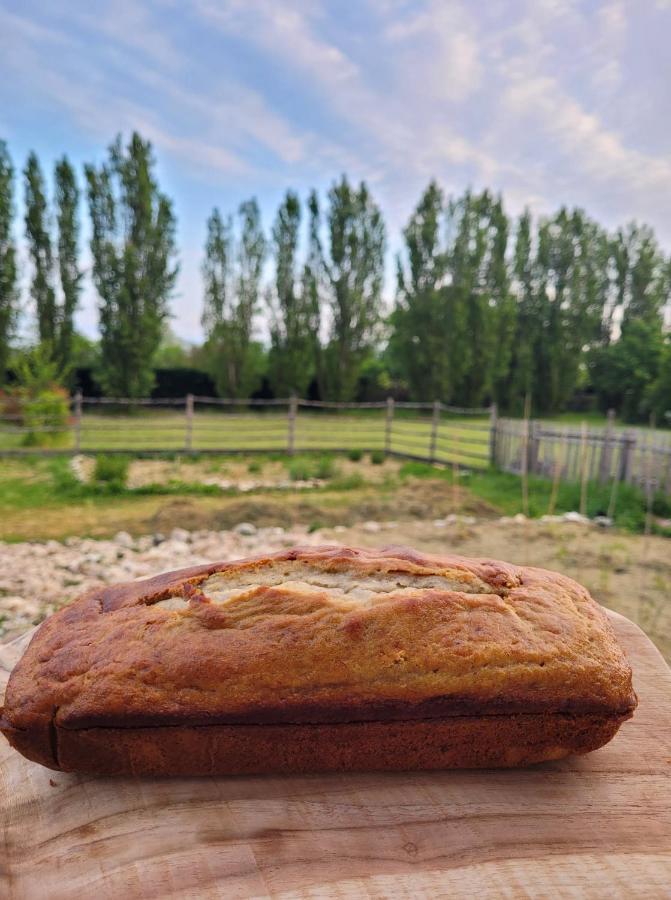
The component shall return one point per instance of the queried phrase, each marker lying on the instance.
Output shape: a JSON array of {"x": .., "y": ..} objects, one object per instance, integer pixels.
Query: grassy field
[{"x": 465, "y": 441}]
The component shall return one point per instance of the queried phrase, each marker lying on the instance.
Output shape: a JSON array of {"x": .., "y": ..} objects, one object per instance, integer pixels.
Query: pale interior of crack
[{"x": 350, "y": 587}]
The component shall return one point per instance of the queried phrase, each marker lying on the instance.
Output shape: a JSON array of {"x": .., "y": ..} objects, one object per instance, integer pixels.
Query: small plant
[
  {"x": 111, "y": 472},
  {"x": 254, "y": 467},
  {"x": 46, "y": 416},
  {"x": 355, "y": 455},
  {"x": 377, "y": 457},
  {"x": 348, "y": 482},
  {"x": 325, "y": 468},
  {"x": 299, "y": 470}
]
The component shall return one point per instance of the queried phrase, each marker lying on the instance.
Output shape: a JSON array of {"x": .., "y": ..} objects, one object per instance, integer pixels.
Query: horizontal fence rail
[
  {"x": 426, "y": 431},
  {"x": 431, "y": 432},
  {"x": 635, "y": 456}
]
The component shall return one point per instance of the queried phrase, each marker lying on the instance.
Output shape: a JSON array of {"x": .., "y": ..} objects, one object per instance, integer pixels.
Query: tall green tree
[
  {"x": 38, "y": 234},
  {"x": 232, "y": 280},
  {"x": 477, "y": 230},
  {"x": 630, "y": 370},
  {"x": 294, "y": 309},
  {"x": 562, "y": 289},
  {"x": 424, "y": 337},
  {"x": 67, "y": 220},
  {"x": 454, "y": 319},
  {"x": 134, "y": 263},
  {"x": 8, "y": 268},
  {"x": 353, "y": 267}
]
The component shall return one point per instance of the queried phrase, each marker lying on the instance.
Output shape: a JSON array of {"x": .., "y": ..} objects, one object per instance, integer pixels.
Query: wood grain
[{"x": 594, "y": 826}]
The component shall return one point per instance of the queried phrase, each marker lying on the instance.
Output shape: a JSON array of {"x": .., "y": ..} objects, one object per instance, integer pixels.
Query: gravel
[{"x": 38, "y": 578}]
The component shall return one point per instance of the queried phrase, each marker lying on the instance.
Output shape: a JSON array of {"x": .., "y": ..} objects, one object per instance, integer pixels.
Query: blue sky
[{"x": 548, "y": 101}]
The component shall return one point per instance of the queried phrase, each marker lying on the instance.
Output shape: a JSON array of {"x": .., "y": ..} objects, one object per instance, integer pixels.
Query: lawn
[{"x": 457, "y": 440}]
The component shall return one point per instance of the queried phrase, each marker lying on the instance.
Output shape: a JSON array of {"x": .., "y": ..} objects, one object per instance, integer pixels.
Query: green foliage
[
  {"x": 44, "y": 406},
  {"x": 134, "y": 270},
  {"x": 454, "y": 318},
  {"x": 46, "y": 415},
  {"x": 294, "y": 309},
  {"x": 40, "y": 251},
  {"x": 8, "y": 270},
  {"x": 255, "y": 467},
  {"x": 377, "y": 457},
  {"x": 307, "y": 468},
  {"x": 355, "y": 455},
  {"x": 325, "y": 468},
  {"x": 172, "y": 353},
  {"x": 351, "y": 277},
  {"x": 299, "y": 469},
  {"x": 232, "y": 275},
  {"x": 627, "y": 373},
  {"x": 67, "y": 203},
  {"x": 347, "y": 482},
  {"x": 111, "y": 472}
]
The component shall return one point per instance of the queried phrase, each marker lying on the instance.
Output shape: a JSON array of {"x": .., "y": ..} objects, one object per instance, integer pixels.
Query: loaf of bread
[{"x": 321, "y": 658}]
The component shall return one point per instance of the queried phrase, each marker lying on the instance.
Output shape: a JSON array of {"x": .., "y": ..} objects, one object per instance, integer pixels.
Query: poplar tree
[
  {"x": 134, "y": 263},
  {"x": 293, "y": 307},
  {"x": 232, "y": 272},
  {"x": 353, "y": 266},
  {"x": 67, "y": 219},
  {"x": 8, "y": 267},
  {"x": 40, "y": 252}
]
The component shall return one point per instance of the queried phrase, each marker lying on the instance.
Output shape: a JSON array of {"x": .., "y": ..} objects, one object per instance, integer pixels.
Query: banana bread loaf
[{"x": 320, "y": 659}]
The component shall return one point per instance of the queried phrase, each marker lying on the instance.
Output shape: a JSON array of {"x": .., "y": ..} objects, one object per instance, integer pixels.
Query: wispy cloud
[{"x": 548, "y": 101}]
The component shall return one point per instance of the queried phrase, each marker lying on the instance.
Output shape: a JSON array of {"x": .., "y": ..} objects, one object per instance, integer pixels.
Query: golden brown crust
[{"x": 320, "y": 635}]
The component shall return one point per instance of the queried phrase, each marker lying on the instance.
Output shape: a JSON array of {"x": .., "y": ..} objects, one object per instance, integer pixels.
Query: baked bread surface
[{"x": 317, "y": 637}]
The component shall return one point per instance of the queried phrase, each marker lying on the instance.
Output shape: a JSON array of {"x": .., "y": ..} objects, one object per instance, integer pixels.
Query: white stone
[
  {"x": 372, "y": 527},
  {"x": 123, "y": 539},
  {"x": 245, "y": 528},
  {"x": 181, "y": 535},
  {"x": 575, "y": 517}
]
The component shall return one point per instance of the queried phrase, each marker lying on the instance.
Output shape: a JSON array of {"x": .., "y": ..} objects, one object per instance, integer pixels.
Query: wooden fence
[
  {"x": 578, "y": 453},
  {"x": 430, "y": 432}
]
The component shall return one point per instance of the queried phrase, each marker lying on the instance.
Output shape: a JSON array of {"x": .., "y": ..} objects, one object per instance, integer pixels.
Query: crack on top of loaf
[{"x": 349, "y": 585}]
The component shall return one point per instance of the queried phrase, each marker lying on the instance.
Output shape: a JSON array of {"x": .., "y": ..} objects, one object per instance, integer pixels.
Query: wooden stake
[
  {"x": 525, "y": 455},
  {"x": 455, "y": 472},
  {"x": 583, "y": 469},
  {"x": 555, "y": 486}
]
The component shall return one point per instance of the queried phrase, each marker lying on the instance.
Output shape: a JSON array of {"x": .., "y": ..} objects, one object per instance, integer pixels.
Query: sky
[{"x": 550, "y": 102}]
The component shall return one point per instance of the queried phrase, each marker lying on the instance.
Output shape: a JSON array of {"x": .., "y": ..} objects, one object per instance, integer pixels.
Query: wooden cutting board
[{"x": 594, "y": 826}]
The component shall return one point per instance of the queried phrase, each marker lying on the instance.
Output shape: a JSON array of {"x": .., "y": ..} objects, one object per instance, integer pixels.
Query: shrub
[
  {"x": 111, "y": 472},
  {"x": 299, "y": 470},
  {"x": 355, "y": 455},
  {"x": 254, "y": 467},
  {"x": 377, "y": 457},
  {"x": 324, "y": 468},
  {"x": 46, "y": 416}
]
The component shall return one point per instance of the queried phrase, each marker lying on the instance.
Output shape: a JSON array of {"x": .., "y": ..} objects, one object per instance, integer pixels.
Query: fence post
[
  {"x": 435, "y": 421},
  {"x": 188, "y": 438},
  {"x": 387, "y": 425},
  {"x": 628, "y": 444},
  {"x": 534, "y": 444},
  {"x": 493, "y": 425},
  {"x": 78, "y": 421},
  {"x": 291, "y": 428},
  {"x": 605, "y": 463}
]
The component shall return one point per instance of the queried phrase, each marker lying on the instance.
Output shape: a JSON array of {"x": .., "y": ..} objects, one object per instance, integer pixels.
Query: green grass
[
  {"x": 463, "y": 438},
  {"x": 36, "y": 485},
  {"x": 504, "y": 492}
]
